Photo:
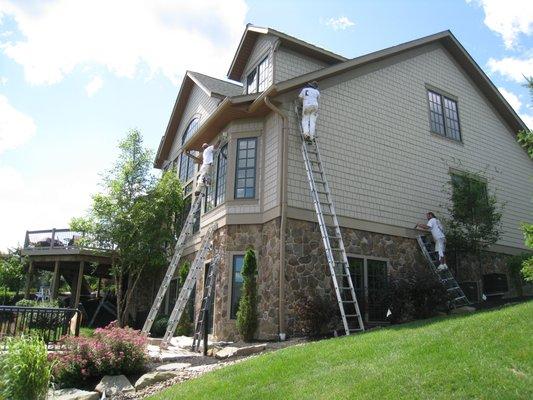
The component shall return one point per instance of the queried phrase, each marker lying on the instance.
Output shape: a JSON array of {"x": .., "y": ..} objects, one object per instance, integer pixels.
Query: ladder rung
[
  {"x": 453, "y": 288},
  {"x": 351, "y": 315}
]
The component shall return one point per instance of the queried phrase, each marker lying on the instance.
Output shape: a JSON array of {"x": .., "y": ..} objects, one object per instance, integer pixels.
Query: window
[
  {"x": 444, "y": 116},
  {"x": 257, "y": 79},
  {"x": 191, "y": 129},
  {"x": 245, "y": 171},
  {"x": 370, "y": 280},
  {"x": 470, "y": 197},
  {"x": 236, "y": 284},
  {"x": 187, "y": 168},
  {"x": 216, "y": 193}
]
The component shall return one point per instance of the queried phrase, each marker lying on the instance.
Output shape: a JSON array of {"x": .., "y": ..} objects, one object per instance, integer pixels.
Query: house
[{"x": 394, "y": 125}]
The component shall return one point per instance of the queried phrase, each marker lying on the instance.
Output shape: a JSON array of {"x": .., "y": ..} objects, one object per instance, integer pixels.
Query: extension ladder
[
  {"x": 445, "y": 276},
  {"x": 188, "y": 285},
  {"x": 205, "y": 308},
  {"x": 178, "y": 250},
  {"x": 331, "y": 235}
]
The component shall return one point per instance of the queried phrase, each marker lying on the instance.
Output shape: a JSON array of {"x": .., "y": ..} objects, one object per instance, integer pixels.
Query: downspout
[{"x": 283, "y": 212}]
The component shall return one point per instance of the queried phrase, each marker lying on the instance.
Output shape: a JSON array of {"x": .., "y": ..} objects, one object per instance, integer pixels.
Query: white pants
[
  {"x": 440, "y": 246},
  {"x": 309, "y": 114},
  {"x": 204, "y": 177}
]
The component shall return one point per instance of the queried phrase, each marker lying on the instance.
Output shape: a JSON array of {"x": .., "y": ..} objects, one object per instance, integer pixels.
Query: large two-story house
[{"x": 393, "y": 126}]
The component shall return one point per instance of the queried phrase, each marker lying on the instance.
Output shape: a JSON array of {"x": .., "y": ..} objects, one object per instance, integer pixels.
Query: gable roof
[
  {"x": 253, "y": 106},
  {"x": 251, "y": 34},
  {"x": 213, "y": 87}
]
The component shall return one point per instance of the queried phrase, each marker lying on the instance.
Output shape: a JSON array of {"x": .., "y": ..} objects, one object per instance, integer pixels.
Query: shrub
[
  {"x": 514, "y": 266},
  {"x": 527, "y": 269},
  {"x": 24, "y": 369},
  {"x": 415, "y": 293},
  {"x": 247, "y": 311},
  {"x": 35, "y": 303},
  {"x": 159, "y": 326},
  {"x": 317, "y": 316},
  {"x": 110, "y": 351}
]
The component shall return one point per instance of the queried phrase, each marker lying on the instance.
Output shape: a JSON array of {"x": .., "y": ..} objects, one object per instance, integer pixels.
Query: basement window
[{"x": 236, "y": 284}]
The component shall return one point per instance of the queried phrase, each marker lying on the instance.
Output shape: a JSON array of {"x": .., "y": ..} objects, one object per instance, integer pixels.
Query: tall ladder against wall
[
  {"x": 331, "y": 235},
  {"x": 200, "y": 324},
  {"x": 458, "y": 298},
  {"x": 178, "y": 250},
  {"x": 190, "y": 282}
]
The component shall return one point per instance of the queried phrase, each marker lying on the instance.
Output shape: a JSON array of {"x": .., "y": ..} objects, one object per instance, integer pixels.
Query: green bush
[
  {"x": 317, "y": 316},
  {"x": 514, "y": 265},
  {"x": 24, "y": 369},
  {"x": 247, "y": 311},
  {"x": 159, "y": 326}
]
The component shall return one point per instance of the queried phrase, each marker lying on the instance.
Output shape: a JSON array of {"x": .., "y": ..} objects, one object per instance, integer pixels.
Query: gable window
[
  {"x": 216, "y": 193},
  {"x": 191, "y": 129},
  {"x": 245, "y": 171},
  {"x": 444, "y": 116},
  {"x": 236, "y": 284},
  {"x": 257, "y": 79}
]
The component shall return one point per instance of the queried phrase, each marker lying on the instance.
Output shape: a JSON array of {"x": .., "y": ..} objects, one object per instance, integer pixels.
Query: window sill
[{"x": 438, "y": 135}]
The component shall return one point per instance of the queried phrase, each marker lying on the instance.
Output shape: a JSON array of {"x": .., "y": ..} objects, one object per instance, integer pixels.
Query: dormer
[{"x": 266, "y": 56}]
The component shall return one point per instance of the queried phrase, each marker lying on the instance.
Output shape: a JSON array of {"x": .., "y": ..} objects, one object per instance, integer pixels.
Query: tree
[
  {"x": 137, "y": 215},
  {"x": 12, "y": 272},
  {"x": 525, "y": 138},
  {"x": 247, "y": 311}
]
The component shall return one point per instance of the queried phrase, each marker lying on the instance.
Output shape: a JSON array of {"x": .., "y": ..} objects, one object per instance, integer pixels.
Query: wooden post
[
  {"x": 55, "y": 281},
  {"x": 78, "y": 286},
  {"x": 53, "y": 238},
  {"x": 99, "y": 287},
  {"x": 28, "y": 281}
]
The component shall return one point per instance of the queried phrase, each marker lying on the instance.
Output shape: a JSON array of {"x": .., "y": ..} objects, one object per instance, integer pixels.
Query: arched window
[{"x": 193, "y": 127}]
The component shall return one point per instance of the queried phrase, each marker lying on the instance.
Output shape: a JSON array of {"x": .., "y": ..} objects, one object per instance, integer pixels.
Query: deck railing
[
  {"x": 63, "y": 239},
  {"x": 49, "y": 323}
]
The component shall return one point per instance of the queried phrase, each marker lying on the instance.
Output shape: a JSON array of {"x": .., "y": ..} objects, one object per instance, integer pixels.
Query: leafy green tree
[
  {"x": 525, "y": 138},
  {"x": 136, "y": 214},
  {"x": 12, "y": 272},
  {"x": 247, "y": 312}
]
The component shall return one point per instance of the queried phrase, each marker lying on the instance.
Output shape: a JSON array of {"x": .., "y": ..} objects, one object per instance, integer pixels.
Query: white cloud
[
  {"x": 512, "y": 68},
  {"x": 528, "y": 120},
  {"x": 509, "y": 18},
  {"x": 3, "y": 80},
  {"x": 123, "y": 36},
  {"x": 28, "y": 203},
  {"x": 511, "y": 98},
  {"x": 16, "y": 128},
  {"x": 340, "y": 23},
  {"x": 94, "y": 86}
]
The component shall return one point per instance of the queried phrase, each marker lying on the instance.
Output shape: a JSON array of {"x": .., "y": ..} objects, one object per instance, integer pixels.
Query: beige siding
[
  {"x": 262, "y": 49},
  {"x": 385, "y": 166},
  {"x": 271, "y": 183},
  {"x": 199, "y": 105},
  {"x": 289, "y": 64}
]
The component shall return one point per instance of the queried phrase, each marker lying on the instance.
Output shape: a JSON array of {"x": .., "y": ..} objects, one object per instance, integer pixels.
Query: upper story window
[
  {"x": 187, "y": 168},
  {"x": 216, "y": 193},
  {"x": 444, "y": 116},
  {"x": 191, "y": 129},
  {"x": 245, "y": 170},
  {"x": 257, "y": 79}
]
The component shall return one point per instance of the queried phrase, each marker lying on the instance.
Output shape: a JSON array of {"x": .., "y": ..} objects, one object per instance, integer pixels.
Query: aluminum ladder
[
  {"x": 178, "y": 250},
  {"x": 458, "y": 298},
  {"x": 331, "y": 235},
  {"x": 205, "y": 308},
  {"x": 188, "y": 285}
]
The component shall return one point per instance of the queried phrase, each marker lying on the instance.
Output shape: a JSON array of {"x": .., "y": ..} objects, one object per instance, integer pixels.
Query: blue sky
[{"x": 76, "y": 75}]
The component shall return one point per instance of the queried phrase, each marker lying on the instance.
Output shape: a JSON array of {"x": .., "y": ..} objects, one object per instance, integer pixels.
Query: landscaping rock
[
  {"x": 173, "y": 366},
  {"x": 113, "y": 384},
  {"x": 154, "y": 377},
  {"x": 228, "y": 352},
  {"x": 463, "y": 310},
  {"x": 72, "y": 394}
]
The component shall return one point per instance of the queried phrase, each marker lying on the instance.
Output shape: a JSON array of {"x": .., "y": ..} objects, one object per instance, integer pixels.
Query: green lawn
[{"x": 487, "y": 355}]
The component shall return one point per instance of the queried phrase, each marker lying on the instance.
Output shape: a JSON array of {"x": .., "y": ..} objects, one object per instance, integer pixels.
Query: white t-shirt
[
  {"x": 436, "y": 228},
  {"x": 309, "y": 96},
  {"x": 207, "y": 155}
]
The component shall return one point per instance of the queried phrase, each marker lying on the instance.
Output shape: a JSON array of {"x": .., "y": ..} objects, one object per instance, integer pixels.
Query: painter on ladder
[
  {"x": 309, "y": 96},
  {"x": 204, "y": 177},
  {"x": 437, "y": 232}
]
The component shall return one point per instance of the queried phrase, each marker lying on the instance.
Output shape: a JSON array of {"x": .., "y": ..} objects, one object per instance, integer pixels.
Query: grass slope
[{"x": 487, "y": 355}]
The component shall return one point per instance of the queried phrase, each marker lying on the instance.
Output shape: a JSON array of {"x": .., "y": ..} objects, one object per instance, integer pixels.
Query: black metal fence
[{"x": 49, "y": 323}]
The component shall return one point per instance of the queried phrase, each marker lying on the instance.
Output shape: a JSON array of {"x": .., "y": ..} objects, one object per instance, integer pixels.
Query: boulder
[
  {"x": 463, "y": 310},
  {"x": 173, "y": 366},
  {"x": 72, "y": 394},
  {"x": 113, "y": 384},
  {"x": 229, "y": 351},
  {"x": 154, "y": 377}
]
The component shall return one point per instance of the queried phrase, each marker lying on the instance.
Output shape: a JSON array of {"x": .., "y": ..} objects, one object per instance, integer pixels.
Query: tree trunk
[{"x": 118, "y": 285}]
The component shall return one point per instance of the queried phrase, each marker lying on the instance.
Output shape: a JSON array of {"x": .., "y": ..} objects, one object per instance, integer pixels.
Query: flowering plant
[{"x": 110, "y": 351}]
